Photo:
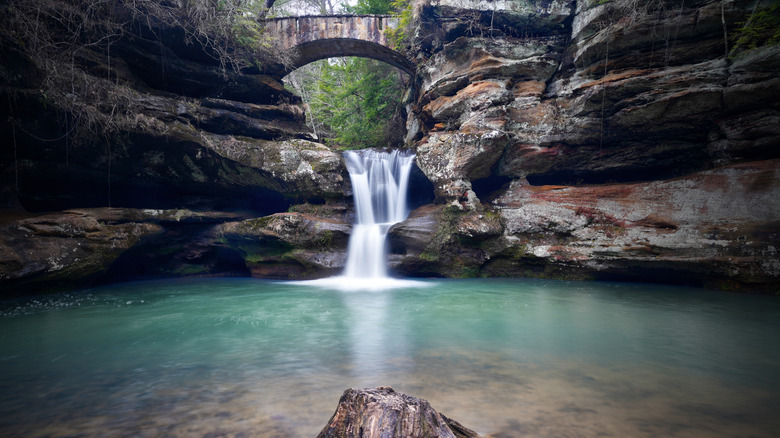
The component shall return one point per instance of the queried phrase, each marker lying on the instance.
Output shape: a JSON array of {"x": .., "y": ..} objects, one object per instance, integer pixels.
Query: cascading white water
[{"x": 379, "y": 183}]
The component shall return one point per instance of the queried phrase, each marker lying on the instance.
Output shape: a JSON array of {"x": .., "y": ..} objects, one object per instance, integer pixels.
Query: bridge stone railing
[{"x": 294, "y": 31}]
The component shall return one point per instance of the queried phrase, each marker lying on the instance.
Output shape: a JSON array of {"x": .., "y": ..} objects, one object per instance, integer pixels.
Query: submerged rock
[{"x": 382, "y": 412}]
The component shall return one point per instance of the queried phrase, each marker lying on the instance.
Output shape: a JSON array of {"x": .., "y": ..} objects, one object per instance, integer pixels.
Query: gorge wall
[
  {"x": 593, "y": 139},
  {"x": 562, "y": 139},
  {"x": 176, "y": 148}
]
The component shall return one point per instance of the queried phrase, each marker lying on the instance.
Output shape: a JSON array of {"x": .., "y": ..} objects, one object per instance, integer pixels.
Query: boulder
[
  {"x": 442, "y": 240},
  {"x": 383, "y": 413},
  {"x": 452, "y": 160},
  {"x": 289, "y": 245}
]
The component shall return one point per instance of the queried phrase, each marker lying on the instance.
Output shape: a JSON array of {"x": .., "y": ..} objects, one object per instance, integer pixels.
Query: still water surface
[{"x": 245, "y": 357}]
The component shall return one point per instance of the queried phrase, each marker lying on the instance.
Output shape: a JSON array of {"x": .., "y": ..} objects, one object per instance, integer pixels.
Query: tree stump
[{"x": 383, "y": 413}]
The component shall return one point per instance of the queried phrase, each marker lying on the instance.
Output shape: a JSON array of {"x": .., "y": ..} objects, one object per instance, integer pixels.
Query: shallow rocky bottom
[{"x": 507, "y": 399}]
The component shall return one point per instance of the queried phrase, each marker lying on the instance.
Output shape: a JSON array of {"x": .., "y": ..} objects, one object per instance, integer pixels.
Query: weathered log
[{"x": 383, "y": 413}]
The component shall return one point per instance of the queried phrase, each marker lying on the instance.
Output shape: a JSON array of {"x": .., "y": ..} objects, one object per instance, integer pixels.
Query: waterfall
[{"x": 379, "y": 185}]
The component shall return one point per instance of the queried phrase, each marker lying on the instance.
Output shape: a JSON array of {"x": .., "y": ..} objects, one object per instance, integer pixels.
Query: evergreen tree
[
  {"x": 353, "y": 102},
  {"x": 372, "y": 7}
]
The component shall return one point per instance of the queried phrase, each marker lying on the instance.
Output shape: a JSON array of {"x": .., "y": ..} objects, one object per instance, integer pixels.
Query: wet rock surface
[
  {"x": 64, "y": 250},
  {"x": 715, "y": 228},
  {"x": 290, "y": 245}
]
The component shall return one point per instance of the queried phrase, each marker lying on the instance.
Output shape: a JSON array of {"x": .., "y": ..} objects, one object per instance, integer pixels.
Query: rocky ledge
[
  {"x": 156, "y": 124},
  {"x": 716, "y": 228},
  {"x": 86, "y": 247}
]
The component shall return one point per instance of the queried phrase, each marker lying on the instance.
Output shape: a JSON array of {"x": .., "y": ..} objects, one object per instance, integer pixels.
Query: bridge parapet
[
  {"x": 294, "y": 31},
  {"x": 316, "y": 37}
]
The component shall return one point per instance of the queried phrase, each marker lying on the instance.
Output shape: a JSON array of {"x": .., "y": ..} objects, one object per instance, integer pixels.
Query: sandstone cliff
[
  {"x": 595, "y": 140},
  {"x": 155, "y": 147},
  {"x": 564, "y": 139}
]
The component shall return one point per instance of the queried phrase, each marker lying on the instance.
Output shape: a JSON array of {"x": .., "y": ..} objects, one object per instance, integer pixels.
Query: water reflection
[{"x": 376, "y": 340}]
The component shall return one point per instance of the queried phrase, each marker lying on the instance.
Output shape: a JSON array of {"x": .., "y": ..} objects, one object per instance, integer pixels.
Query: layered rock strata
[
  {"x": 588, "y": 139},
  {"x": 85, "y": 247},
  {"x": 168, "y": 130},
  {"x": 716, "y": 228},
  {"x": 609, "y": 93},
  {"x": 595, "y": 140},
  {"x": 133, "y": 177}
]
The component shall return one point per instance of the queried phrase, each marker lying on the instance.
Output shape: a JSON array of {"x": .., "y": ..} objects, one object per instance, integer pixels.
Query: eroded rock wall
[
  {"x": 595, "y": 140},
  {"x": 564, "y": 139},
  {"x": 143, "y": 173},
  {"x": 166, "y": 129}
]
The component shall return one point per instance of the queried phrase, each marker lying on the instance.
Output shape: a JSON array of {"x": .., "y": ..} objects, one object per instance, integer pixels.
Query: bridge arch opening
[
  {"x": 316, "y": 50},
  {"x": 313, "y": 37}
]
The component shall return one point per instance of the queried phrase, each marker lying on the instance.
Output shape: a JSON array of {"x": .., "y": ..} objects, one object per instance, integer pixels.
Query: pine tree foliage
[
  {"x": 400, "y": 36},
  {"x": 373, "y": 7}
]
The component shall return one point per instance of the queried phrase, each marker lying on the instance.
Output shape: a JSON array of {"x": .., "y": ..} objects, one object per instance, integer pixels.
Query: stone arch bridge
[{"x": 318, "y": 37}]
